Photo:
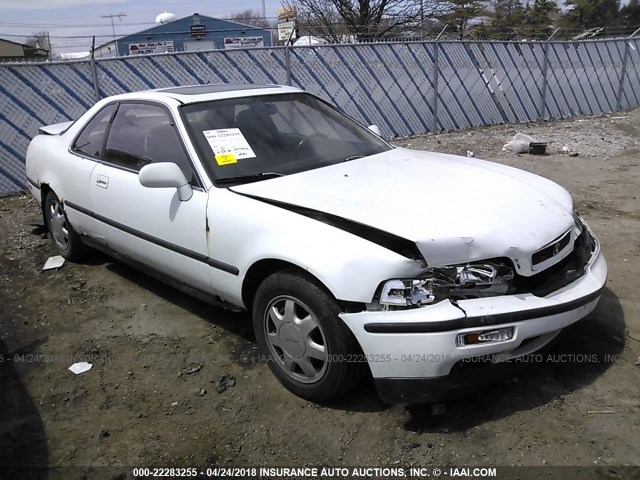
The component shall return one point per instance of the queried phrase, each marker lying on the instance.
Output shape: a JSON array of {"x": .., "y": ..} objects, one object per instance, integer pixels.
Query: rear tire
[
  {"x": 308, "y": 348},
  {"x": 66, "y": 240}
]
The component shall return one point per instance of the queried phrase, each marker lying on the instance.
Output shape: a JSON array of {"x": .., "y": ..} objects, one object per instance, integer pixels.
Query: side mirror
[
  {"x": 375, "y": 129},
  {"x": 165, "y": 175}
]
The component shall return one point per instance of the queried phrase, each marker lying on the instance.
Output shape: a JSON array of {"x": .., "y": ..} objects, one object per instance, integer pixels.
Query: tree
[
  {"x": 338, "y": 20},
  {"x": 591, "y": 13},
  {"x": 630, "y": 15},
  {"x": 38, "y": 40},
  {"x": 320, "y": 19},
  {"x": 460, "y": 13},
  {"x": 539, "y": 18},
  {"x": 510, "y": 19},
  {"x": 507, "y": 19},
  {"x": 251, "y": 17}
]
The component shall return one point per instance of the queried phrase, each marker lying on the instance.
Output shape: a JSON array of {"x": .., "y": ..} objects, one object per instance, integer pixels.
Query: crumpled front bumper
[{"x": 407, "y": 350}]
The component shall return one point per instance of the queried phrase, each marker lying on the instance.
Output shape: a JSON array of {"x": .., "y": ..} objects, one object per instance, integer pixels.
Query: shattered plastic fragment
[
  {"x": 80, "y": 367},
  {"x": 53, "y": 262}
]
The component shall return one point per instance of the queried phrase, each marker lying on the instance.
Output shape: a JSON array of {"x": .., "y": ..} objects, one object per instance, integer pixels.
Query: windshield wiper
[
  {"x": 354, "y": 157},
  {"x": 252, "y": 177}
]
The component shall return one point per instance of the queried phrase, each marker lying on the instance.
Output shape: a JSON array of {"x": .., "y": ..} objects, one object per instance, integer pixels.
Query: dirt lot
[{"x": 139, "y": 406}]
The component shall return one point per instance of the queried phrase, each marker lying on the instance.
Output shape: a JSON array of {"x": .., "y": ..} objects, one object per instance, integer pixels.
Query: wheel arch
[{"x": 262, "y": 269}]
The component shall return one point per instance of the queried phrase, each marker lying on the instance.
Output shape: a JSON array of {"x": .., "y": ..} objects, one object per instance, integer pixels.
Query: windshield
[{"x": 254, "y": 138}]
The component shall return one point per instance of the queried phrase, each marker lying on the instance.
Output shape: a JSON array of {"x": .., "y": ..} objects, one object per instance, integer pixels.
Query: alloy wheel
[
  {"x": 295, "y": 339},
  {"x": 58, "y": 223}
]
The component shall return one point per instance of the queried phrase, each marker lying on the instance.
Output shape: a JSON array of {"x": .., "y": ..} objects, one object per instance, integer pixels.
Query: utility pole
[
  {"x": 422, "y": 19},
  {"x": 113, "y": 28},
  {"x": 49, "y": 46},
  {"x": 264, "y": 11}
]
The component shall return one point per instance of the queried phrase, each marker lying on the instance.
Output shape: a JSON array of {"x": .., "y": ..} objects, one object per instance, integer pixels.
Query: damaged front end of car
[
  {"x": 449, "y": 319},
  {"x": 487, "y": 278},
  {"x": 473, "y": 280}
]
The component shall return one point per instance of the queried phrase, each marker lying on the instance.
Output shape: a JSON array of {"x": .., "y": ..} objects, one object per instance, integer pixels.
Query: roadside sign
[
  {"x": 243, "y": 42},
  {"x": 145, "y": 48},
  {"x": 285, "y": 29}
]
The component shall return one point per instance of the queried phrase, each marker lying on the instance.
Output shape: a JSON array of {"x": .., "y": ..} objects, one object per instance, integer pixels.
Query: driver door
[{"x": 150, "y": 225}]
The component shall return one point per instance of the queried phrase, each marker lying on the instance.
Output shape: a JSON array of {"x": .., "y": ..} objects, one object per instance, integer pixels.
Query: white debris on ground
[
  {"x": 53, "y": 263},
  {"x": 80, "y": 367},
  {"x": 601, "y": 136},
  {"x": 520, "y": 143}
]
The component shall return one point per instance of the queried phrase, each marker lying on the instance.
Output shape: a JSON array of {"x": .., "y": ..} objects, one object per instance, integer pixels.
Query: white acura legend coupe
[{"x": 349, "y": 253}]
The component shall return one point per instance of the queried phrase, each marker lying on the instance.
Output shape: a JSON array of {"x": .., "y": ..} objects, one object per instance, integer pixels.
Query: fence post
[
  {"x": 625, "y": 59},
  {"x": 287, "y": 63},
  {"x": 545, "y": 67},
  {"x": 436, "y": 78},
  {"x": 94, "y": 70},
  {"x": 287, "y": 55}
]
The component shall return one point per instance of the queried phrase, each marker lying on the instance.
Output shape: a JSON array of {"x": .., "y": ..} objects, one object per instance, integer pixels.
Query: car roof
[
  {"x": 213, "y": 88},
  {"x": 206, "y": 92}
]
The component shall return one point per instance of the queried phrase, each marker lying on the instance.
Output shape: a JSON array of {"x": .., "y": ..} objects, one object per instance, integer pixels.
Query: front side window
[
  {"x": 142, "y": 134},
  {"x": 91, "y": 139},
  {"x": 274, "y": 134}
]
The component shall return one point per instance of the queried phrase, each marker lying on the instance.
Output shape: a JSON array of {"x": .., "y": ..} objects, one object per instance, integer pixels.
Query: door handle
[{"x": 102, "y": 181}]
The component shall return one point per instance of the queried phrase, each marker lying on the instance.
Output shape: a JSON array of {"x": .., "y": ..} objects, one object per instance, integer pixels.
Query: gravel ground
[{"x": 151, "y": 400}]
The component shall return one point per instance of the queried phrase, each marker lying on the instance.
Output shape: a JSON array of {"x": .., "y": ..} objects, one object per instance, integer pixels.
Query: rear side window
[
  {"x": 91, "y": 139},
  {"x": 142, "y": 134}
]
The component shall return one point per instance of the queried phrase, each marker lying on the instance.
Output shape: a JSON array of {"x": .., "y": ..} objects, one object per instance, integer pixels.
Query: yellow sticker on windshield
[{"x": 226, "y": 159}]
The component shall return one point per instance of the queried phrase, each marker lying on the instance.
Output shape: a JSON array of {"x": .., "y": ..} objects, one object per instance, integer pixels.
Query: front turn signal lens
[{"x": 484, "y": 336}]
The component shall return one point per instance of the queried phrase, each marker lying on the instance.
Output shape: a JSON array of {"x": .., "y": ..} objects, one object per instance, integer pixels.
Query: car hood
[{"x": 455, "y": 209}]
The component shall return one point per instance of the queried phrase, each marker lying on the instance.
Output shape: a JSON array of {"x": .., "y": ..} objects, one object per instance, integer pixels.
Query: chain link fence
[{"x": 406, "y": 88}]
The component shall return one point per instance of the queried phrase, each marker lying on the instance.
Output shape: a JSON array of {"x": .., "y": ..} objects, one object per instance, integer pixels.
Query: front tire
[
  {"x": 308, "y": 348},
  {"x": 66, "y": 240}
]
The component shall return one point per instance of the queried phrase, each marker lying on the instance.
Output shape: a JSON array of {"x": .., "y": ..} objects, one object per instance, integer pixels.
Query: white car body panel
[
  {"x": 409, "y": 193},
  {"x": 455, "y": 209},
  {"x": 245, "y": 231},
  {"x": 442, "y": 345},
  {"x": 56, "y": 128},
  {"x": 71, "y": 175},
  {"x": 160, "y": 215}
]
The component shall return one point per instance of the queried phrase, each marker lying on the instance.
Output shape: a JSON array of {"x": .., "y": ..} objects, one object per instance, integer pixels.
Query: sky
[{"x": 71, "y": 23}]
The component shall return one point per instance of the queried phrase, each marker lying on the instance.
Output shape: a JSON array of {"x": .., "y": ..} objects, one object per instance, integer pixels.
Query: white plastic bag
[{"x": 519, "y": 143}]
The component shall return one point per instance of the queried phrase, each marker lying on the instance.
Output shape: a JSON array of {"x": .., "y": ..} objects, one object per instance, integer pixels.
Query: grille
[
  {"x": 553, "y": 249},
  {"x": 566, "y": 271}
]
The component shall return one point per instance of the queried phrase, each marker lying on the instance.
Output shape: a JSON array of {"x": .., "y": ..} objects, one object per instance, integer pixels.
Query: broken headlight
[
  {"x": 578, "y": 223},
  {"x": 459, "y": 282}
]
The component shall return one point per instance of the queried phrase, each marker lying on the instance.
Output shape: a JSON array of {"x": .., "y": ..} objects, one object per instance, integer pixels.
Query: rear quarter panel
[{"x": 50, "y": 164}]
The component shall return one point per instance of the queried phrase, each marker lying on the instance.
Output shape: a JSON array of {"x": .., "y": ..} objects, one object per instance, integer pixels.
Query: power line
[
  {"x": 124, "y": 24},
  {"x": 150, "y": 34},
  {"x": 565, "y": 31}
]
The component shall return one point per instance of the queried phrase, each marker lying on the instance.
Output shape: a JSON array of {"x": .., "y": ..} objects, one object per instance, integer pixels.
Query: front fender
[{"x": 246, "y": 231}]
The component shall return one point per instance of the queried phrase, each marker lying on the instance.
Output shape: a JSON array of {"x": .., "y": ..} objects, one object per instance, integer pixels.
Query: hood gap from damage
[{"x": 396, "y": 244}]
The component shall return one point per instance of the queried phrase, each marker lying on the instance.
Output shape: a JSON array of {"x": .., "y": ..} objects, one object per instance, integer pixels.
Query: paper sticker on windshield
[
  {"x": 225, "y": 159},
  {"x": 229, "y": 141}
]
